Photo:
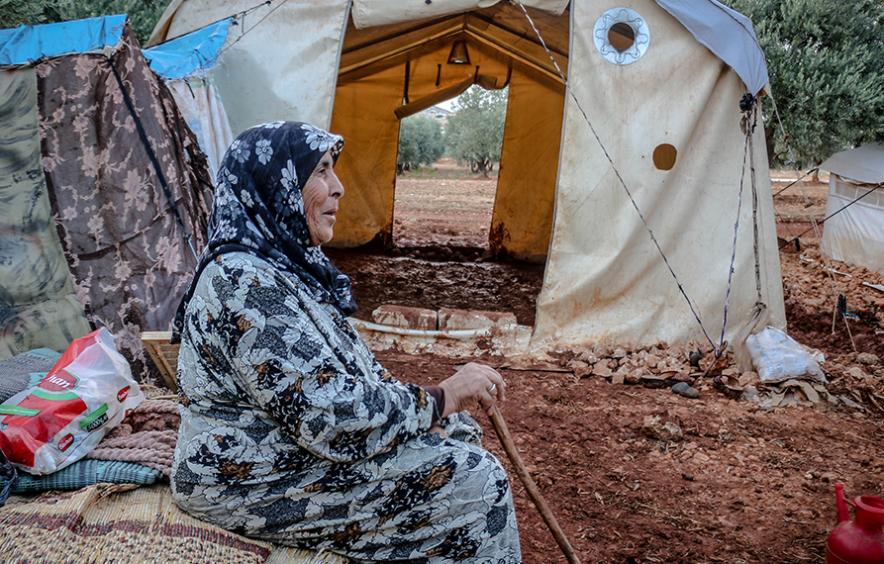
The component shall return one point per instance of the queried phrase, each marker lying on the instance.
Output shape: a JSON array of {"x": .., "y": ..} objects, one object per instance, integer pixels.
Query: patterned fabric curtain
[{"x": 124, "y": 242}]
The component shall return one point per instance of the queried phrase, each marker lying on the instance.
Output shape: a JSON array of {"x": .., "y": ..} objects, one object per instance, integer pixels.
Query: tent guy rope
[{"x": 836, "y": 212}]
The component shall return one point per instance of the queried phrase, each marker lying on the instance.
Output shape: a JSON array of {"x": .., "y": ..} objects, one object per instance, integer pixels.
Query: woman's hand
[{"x": 473, "y": 382}]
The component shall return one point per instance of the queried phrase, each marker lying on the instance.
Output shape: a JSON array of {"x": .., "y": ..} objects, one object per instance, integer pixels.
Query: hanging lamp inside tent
[{"x": 459, "y": 54}]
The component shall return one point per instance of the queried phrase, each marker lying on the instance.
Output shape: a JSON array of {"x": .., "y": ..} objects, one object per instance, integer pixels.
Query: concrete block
[
  {"x": 458, "y": 319},
  {"x": 405, "y": 317}
]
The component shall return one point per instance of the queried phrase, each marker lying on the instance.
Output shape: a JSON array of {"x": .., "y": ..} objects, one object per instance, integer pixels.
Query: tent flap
[
  {"x": 201, "y": 106},
  {"x": 126, "y": 249},
  {"x": 369, "y": 13},
  {"x": 189, "y": 54},
  {"x": 727, "y": 33},
  {"x": 30, "y": 43}
]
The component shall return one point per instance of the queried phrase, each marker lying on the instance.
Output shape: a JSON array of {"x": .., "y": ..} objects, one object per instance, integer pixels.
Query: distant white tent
[{"x": 856, "y": 234}]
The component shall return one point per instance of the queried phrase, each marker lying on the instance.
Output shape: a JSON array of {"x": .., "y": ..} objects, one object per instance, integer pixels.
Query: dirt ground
[
  {"x": 440, "y": 229},
  {"x": 741, "y": 485},
  {"x": 443, "y": 206},
  {"x": 736, "y": 483}
]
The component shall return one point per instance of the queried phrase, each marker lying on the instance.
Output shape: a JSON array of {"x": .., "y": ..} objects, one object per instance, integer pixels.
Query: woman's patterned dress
[{"x": 286, "y": 438}]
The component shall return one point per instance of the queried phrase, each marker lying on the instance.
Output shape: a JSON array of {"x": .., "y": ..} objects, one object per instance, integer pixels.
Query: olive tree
[
  {"x": 420, "y": 142},
  {"x": 474, "y": 133},
  {"x": 826, "y": 64}
]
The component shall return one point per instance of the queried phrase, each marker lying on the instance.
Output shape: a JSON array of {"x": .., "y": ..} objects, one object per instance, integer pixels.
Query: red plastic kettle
[{"x": 860, "y": 541}]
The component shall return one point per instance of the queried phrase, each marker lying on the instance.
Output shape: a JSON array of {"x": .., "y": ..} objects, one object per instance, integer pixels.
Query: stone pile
[{"x": 689, "y": 370}]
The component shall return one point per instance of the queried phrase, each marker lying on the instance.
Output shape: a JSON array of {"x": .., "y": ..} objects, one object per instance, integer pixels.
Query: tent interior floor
[{"x": 440, "y": 277}]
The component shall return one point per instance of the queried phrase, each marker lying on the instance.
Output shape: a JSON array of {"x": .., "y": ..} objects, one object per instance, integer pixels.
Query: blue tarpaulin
[
  {"x": 30, "y": 43},
  {"x": 188, "y": 54},
  {"x": 727, "y": 33}
]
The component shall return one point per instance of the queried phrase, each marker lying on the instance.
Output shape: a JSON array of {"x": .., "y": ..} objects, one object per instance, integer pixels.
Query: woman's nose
[{"x": 337, "y": 189}]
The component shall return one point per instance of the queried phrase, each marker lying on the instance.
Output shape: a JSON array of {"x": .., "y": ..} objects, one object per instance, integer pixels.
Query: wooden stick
[{"x": 510, "y": 447}]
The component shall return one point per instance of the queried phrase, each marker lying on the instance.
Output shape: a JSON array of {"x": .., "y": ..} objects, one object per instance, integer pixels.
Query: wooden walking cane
[{"x": 510, "y": 447}]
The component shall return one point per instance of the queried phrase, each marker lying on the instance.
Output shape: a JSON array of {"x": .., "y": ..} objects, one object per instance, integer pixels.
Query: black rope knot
[{"x": 747, "y": 102}]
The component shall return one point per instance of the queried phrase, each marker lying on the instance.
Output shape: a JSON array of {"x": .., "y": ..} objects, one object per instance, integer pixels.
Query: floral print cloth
[
  {"x": 126, "y": 252},
  {"x": 291, "y": 431}
]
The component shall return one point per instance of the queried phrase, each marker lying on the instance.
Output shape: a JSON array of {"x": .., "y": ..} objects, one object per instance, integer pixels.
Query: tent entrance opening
[
  {"x": 447, "y": 174},
  {"x": 471, "y": 244}
]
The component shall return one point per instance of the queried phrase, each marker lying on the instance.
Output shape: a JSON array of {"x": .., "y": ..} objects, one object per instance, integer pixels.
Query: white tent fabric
[
  {"x": 862, "y": 164},
  {"x": 279, "y": 63},
  {"x": 198, "y": 100},
  {"x": 369, "y": 13},
  {"x": 856, "y": 234},
  {"x": 604, "y": 279},
  {"x": 727, "y": 33}
]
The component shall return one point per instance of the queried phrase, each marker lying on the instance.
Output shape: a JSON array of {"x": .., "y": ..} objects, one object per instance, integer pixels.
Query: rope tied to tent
[
  {"x": 242, "y": 18},
  {"x": 796, "y": 181},
  {"x": 748, "y": 123},
  {"x": 694, "y": 310},
  {"x": 750, "y": 119},
  {"x": 151, "y": 154}
]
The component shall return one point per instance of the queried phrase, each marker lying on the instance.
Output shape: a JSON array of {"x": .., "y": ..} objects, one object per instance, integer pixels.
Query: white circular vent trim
[{"x": 631, "y": 18}]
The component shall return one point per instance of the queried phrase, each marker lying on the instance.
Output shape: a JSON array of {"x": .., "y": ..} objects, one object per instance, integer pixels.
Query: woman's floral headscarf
[{"x": 259, "y": 209}]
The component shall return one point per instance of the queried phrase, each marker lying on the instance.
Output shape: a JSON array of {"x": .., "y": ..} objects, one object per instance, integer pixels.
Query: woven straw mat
[{"x": 107, "y": 523}]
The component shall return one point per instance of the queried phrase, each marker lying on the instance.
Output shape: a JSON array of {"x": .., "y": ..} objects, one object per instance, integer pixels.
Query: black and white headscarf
[{"x": 259, "y": 208}]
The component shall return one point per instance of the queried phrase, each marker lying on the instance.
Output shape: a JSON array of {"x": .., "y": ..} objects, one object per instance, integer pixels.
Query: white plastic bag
[
  {"x": 777, "y": 357},
  {"x": 57, "y": 422}
]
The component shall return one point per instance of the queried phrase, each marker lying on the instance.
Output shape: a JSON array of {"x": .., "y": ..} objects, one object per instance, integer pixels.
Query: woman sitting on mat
[{"x": 291, "y": 431}]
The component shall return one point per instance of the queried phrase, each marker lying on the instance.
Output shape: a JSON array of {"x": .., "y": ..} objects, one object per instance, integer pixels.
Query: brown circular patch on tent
[{"x": 664, "y": 156}]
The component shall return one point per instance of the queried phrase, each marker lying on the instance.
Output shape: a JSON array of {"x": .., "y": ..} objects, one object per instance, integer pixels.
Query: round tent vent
[{"x": 621, "y": 36}]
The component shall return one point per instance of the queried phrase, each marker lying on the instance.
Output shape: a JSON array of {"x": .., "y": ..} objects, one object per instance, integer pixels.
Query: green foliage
[
  {"x": 420, "y": 142},
  {"x": 474, "y": 133},
  {"x": 826, "y": 64},
  {"x": 143, "y": 14}
]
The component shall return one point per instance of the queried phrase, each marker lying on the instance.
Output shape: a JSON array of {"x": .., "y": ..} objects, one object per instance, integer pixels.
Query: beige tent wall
[
  {"x": 604, "y": 279},
  {"x": 856, "y": 234},
  {"x": 284, "y": 69},
  {"x": 523, "y": 207}
]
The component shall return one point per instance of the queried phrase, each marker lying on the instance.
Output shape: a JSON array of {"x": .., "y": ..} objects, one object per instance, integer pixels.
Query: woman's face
[{"x": 321, "y": 194}]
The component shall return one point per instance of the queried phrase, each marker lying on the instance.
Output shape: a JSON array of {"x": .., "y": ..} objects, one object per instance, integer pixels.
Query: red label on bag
[
  {"x": 65, "y": 442},
  {"x": 123, "y": 394},
  {"x": 60, "y": 381}
]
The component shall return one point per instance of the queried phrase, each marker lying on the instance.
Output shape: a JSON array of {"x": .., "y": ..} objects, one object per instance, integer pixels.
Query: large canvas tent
[
  {"x": 856, "y": 194},
  {"x": 101, "y": 184},
  {"x": 647, "y": 119}
]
